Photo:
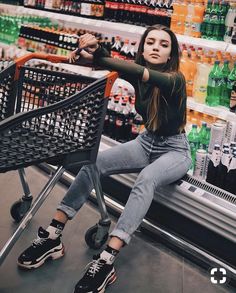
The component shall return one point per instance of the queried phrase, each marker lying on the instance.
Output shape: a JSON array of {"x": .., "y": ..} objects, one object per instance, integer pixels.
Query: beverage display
[{"x": 215, "y": 16}]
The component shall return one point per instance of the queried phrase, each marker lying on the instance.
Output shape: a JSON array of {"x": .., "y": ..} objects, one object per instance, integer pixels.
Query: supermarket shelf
[
  {"x": 220, "y": 112},
  {"x": 204, "y": 43},
  {"x": 126, "y": 30},
  {"x": 231, "y": 49}
]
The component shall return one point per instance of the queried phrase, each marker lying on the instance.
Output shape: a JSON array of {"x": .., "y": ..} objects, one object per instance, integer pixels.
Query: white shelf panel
[
  {"x": 231, "y": 49},
  {"x": 198, "y": 42},
  {"x": 219, "y": 111}
]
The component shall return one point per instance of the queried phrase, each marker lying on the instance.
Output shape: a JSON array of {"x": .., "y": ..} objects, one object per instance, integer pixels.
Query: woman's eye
[
  {"x": 149, "y": 43},
  {"x": 165, "y": 45}
]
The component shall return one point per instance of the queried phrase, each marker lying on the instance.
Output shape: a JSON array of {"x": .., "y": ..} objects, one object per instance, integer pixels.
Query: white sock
[{"x": 54, "y": 232}]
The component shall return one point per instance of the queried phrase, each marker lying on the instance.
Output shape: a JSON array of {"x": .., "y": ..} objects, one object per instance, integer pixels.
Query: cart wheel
[
  {"x": 90, "y": 238},
  {"x": 16, "y": 211}
]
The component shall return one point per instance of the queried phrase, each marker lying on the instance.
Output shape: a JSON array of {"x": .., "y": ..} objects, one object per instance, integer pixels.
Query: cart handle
[
  {"x": 49, "y": 57},
  {"x": 111, "y": 77}
]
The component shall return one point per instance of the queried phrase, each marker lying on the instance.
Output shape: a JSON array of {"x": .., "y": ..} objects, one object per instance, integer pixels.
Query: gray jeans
[{"x": 160, "y": 161}]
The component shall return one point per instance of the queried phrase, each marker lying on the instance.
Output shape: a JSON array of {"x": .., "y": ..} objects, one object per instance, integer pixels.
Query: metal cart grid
[{"x": 53, "y": 117}]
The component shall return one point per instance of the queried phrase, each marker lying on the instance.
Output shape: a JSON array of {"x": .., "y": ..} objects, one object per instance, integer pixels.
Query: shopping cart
[{"x": 54, "y": 117}]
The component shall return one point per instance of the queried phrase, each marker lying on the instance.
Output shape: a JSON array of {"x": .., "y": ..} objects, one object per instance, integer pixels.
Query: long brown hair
[{"x": 158, "y": 103}]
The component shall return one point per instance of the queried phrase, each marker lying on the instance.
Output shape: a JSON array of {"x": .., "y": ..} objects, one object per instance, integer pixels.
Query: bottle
[
  {"x": 232, "y": 103},
  {"x": 132, "y": 52},
  {"x": 214, "y": 86},
  {"x": 225, "y": 95},
  {"x": 201, "y": 78},
  {"x": 115, "y": 48},
  {"x": 193, "y": 139},
  {"x": 197, "y": 19},
  {"x": 124, "y": 51},
  {"x": 231, "y": 86},
  {"x": 136, "y": 126},
  {"x": 231, "y": 175},
  {"x": 185, "y": 68},
  {"x": 202, "y": 134},
  {"x": 192, "y": 73},
  {"x": 229, "y": 24},
  {"x": 233, "y": 40},
  {"x": 189, "y": 19},
  {"x": 213, "y": 165},
  {"x": 223, "y": 168}
]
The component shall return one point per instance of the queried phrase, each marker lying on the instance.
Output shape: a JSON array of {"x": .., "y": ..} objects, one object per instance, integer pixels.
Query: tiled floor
[{"x": 142, "y": 267}]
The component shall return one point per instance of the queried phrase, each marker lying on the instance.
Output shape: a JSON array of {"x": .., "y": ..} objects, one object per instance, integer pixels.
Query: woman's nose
[{"x": 156, "y": 48}]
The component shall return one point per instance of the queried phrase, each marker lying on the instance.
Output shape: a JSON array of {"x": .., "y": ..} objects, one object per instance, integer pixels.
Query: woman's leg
[
  {"x": 164, "y": 170},
  {"x": 125, "y": 158}
]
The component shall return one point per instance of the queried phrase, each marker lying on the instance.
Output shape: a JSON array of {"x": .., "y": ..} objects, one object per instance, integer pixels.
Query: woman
[{"x": 161, "y": 153}]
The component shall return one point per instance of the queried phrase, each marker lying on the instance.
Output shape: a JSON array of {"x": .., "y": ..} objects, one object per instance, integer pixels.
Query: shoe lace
[
  {"x": 94, "y": 267},
  {"x": 38, "y": 241}
]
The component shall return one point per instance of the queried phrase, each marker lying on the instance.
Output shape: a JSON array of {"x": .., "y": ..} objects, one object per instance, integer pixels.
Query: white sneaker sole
[
  {"x": 53, "y": 255},
  {"x": 111, "y": 278}
]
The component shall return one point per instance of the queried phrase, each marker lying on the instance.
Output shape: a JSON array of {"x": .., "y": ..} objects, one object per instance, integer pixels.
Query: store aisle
[{"x": 142, "y": 267}]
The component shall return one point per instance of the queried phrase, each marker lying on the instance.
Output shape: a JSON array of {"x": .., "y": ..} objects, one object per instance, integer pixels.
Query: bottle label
[
  {"x": 232, "y": 165},
  {"x": 215, "y": 158},
  {"x": 119, "y": 122},
  {"x": 135, "y": 128},
  {"x": 196, "y": 27},
  {"x": 225, "y": 160},
  {"x": 86, "y": 9},
  {"x": 202, "y": 89}
]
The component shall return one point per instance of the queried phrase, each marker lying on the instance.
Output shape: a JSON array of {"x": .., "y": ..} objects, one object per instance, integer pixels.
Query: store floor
[{"x": 142, "y": 267}]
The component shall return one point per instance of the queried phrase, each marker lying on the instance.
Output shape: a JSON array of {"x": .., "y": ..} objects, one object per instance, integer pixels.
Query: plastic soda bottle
[
  {"x": 197, "y": 19},
  {"x": 225, "y": 95},
  {"x": 201, "y": 78},
  {"x": 193, "y": 138},
  {"x": 202, "y": 135},
  {"x": 214, "y": 86}
]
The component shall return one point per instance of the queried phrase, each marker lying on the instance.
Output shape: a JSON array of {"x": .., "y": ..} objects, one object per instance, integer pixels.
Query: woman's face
[{"x": 157, "y": 47}]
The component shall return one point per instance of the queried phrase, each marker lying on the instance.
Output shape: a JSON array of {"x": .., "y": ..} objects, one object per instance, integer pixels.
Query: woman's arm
[{"x": 127, "y": 70}]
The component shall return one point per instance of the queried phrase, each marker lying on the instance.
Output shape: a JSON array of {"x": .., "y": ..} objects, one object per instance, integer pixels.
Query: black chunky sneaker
[
  {"x": 97, "y": 277},
  {"x": 41, "y": 249}
]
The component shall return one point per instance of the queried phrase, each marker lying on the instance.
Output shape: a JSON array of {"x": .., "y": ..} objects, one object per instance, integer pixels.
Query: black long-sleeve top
[{"x": 172, "y": 89}]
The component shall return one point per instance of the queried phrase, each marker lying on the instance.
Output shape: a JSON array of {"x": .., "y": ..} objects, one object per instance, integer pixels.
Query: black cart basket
[{"x": 55, "y": 117}]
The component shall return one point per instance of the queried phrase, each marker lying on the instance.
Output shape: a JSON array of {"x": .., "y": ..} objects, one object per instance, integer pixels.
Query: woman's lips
[{"x": 154, "y": 55}]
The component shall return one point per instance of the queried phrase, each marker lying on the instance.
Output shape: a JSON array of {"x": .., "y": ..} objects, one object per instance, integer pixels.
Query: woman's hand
[
  {"x": 73, "y": 56},
  {"x": 89, "y": 42},
  {"x": 87, "y": 45}
]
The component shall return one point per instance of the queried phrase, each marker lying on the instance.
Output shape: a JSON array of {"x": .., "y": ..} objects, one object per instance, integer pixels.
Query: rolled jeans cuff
[
  {"x": 121, "y": 235},
  {"x": 70, "y": 212}
]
